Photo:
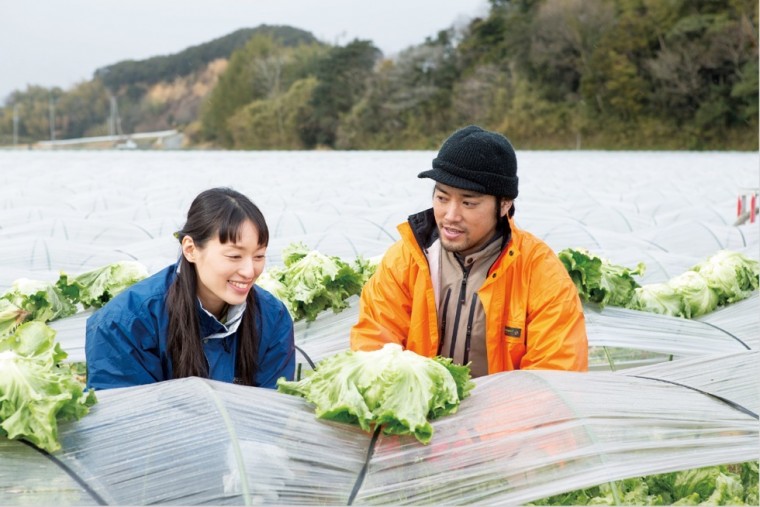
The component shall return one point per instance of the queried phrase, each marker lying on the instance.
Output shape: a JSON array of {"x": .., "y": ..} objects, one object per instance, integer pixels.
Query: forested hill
[
  {"x": 169, "y": 67},
  {"x": 550, "y": 74}
]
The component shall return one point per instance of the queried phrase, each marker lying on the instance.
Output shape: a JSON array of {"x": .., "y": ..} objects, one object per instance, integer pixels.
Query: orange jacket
[{"x": 534, "y": 317}]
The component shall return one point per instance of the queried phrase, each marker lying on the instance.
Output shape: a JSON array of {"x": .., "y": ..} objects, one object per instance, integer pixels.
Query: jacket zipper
[
  {"x": 443, "y": 321},
  {"x": 462, "y": 301},
  {"x": 469, "y": 329}
]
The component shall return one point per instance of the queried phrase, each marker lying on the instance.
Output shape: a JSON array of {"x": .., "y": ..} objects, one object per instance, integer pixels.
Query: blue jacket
[{"x": 126, "y": 339}]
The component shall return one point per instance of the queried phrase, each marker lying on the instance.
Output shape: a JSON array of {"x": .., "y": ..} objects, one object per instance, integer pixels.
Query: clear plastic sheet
[
  {"x": 730, "y": 376},
  {"x": 704, "y": 239},
  {"x": 29, "y": 478},
  {"x": 226, "y": 445},
  {"x": 530, "y": 434},
  {"x": 618, "y": 337},
  {"x": 70, "y": 333},
  {"x": 350, "y": 203},
  {"x": 328, "y": 334},
  {"x": 49, "y": 254},
  {"x": 563, "y": 234},
  {"x": 519, "y": 437},
  {"x": 620, "y": 327},
  {"x": 741, "y": 319}
]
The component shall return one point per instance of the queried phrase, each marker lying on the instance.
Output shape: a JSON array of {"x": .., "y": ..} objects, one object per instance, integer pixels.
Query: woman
[{"x": 200, "y": 317}]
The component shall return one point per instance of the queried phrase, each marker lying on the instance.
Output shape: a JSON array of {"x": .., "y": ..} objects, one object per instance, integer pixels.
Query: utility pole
[
  {"x": 114, "y": 114},
  {"x": 52, "y": 118},
  {"x": 15, "y": 125}
]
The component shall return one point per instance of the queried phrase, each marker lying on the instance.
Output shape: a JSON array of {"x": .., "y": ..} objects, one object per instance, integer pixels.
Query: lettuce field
[{"x": 665, "y": 263}]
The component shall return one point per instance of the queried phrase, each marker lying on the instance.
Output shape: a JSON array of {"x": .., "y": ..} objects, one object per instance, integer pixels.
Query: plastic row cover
[
  {"x": 735, "y": 327},
  {"x": 732, "y": 328},
  {"x": 520, "y": 436},
  {"x": 348, "y": 203},
  {"x": 43, "y": 246}
]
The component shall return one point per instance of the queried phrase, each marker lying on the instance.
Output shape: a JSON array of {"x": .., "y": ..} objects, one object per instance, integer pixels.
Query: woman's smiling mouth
[{"x": 239, "y": 286}]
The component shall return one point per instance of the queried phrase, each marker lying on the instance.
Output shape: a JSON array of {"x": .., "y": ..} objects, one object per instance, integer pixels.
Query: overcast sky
[{"x": 62, "y": 42}]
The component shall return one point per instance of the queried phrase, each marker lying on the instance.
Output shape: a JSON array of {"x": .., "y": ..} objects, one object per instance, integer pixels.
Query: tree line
[
  {"x": 170, "y": 67},
  {"x": 550, "y": 74}
]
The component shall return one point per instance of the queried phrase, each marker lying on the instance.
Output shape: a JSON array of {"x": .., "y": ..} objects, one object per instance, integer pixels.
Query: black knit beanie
[{"x": 476, "y": 159}]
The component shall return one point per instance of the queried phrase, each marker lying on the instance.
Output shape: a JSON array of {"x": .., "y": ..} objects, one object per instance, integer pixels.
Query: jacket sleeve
[
  {"x": 278, "y": 344},
  {"x": 384, "y": 306},
  {"x": 556, "y": 327},
  {"x": 121, "y": 350}
]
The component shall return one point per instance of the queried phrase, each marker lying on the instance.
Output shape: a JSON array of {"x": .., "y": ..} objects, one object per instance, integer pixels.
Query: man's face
[{"x": 466, "y": 220}]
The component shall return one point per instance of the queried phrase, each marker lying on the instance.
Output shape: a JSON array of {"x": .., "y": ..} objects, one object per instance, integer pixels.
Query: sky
[{"x": 62, "y": 42}]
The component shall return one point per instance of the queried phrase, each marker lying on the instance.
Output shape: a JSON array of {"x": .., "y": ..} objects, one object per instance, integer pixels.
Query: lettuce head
[
  {"x": 598, "y": 280},
  {"x": 732, "y": 275},
  {"x": 271, "y": 281},
  {"x": 97, "y": 287},
  {"x": 657, "y": 298},
  {"x": 42, "y": 301},
  {"x": 391, "y": 387},
  {"x": 36, "y": 390},
  {"x": 311, "y": 282},
  {"x": 698, "y": 297}
]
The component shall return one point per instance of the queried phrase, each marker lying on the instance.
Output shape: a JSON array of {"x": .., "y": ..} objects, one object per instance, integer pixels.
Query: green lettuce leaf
[
  {"x": 618, "y": 283},
  {"x": 271, "y": 280},
  {"x": 97, "y": 287},
  {"x": 35, "y": 390},
  {"x": 294, "y": 252},
  {"x": 717, "y": 485},
  {"x": 584, "y": 268},
  {"x": 750, "y": 476},
  {"x": 732, "y": 275},
  {"x": 698, "y": 298},
  {"x": 714, "y": 485},
  {"x": 723, "y": 278},
  {"x": 311, "y": 282},
  {"x": 392, "y": 387},
  {"x": 728, "y": 490},
  {"x": 42, "y": 301},
  {"x": 11, "y": 316},
  {"x": 598, "y": 280},
  {"x": 658, "y": 298},
  {"x": 365, "y": 267}
]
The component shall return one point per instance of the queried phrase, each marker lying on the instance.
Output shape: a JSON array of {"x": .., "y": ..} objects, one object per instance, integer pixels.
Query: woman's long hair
[{"x": 215, "y": 213}]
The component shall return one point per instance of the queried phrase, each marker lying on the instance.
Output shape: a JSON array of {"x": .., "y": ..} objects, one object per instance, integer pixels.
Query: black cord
[
  {"x": 728, "y": 402},
  {"x": 308, "y": 359},
  {"x": 363, "y": 472},
  {"x": 370, "y": 448},
  {"x": 99, "y": 499},
  {"x": 729, "y": 334}
]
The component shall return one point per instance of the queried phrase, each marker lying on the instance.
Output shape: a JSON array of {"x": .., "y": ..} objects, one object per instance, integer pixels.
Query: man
[{"x": 464, "y": 282}]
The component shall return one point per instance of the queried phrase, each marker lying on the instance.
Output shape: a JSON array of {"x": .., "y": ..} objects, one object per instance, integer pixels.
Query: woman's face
[{"x": 226, "y": 271}]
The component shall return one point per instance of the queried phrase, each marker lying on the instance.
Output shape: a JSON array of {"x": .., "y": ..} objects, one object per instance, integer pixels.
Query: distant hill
[
  {"x": 665, "y": 76},
  {"x": 184, "y": 63}
]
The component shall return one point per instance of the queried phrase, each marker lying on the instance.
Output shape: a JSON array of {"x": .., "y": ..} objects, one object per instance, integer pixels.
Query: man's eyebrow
[{"x": 465, "y": 194}]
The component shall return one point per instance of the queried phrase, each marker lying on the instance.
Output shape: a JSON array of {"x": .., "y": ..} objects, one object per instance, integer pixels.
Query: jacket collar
[
  {"x": 209, "y": 324},
  {"x": 423, "y": 227},
  {"x": 426, "y": 231},
  {"x": 211, "y": 327}
]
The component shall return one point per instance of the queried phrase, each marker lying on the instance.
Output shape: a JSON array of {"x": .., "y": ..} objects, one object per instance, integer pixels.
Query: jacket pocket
[{"x": 514, "y": 340}]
